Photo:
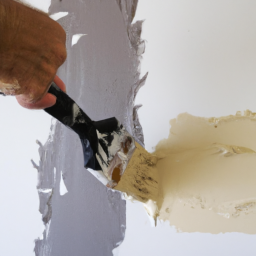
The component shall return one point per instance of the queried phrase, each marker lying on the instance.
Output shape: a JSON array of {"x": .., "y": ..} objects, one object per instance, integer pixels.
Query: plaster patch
[
  {"x": 207, "y": 174},
  {"x": 152, "y": 211}
]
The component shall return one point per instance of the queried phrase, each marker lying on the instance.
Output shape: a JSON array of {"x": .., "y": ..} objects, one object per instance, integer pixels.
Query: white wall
[{"x": 201, "y": 58}]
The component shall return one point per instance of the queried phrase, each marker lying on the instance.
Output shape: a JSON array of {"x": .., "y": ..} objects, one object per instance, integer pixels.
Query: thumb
[{"x": 47, "y": 101}]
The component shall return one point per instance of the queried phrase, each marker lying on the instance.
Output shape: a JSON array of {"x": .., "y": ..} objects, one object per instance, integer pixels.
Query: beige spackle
[{"x": 207, "y": 174}]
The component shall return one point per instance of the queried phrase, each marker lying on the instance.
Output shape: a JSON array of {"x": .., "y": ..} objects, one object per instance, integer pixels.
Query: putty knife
[{"x": 108, "y": 147}]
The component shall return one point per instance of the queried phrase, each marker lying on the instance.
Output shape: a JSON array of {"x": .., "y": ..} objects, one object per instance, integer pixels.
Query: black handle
[{"x": 71, "y": 115}]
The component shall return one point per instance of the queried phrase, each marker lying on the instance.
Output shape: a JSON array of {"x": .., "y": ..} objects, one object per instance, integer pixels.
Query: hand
[
  {"x": 32, "y": 48},
  {"x": 47, "y": 101}
]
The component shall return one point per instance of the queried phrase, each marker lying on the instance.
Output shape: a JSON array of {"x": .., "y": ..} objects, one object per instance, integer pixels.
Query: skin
[{"x": 31, "y": 51}]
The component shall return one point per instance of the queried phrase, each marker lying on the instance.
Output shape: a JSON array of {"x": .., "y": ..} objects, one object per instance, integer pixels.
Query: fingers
[
  {"x": 60, "y": 83},
  {"x": 47, "y": 101}
]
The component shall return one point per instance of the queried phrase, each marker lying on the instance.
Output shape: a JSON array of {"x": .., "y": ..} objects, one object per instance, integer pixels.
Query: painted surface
[{"x": 81, "y": 216}]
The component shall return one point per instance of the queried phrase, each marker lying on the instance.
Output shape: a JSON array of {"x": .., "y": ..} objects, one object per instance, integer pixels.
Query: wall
[
  {"x": 101, "y": 74},
  {"x": 200, "y": 56}
]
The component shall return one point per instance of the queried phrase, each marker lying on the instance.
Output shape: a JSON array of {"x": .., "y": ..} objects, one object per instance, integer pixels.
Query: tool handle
[
  {"x": 67, "y": 111},
  {"x": 71, "y": 115}
]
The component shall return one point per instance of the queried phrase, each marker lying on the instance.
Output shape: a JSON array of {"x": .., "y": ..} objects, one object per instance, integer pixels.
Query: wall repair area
[{"x": 179, "y": 76}]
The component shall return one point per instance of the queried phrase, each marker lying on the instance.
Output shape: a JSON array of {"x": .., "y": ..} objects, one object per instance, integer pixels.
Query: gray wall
[{"x": 101, "y": 74}]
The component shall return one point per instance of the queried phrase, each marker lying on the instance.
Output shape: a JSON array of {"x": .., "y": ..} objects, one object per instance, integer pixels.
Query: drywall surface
[
  {"x": 200, "y": 56},
  {"x": 82, "y": 217}
]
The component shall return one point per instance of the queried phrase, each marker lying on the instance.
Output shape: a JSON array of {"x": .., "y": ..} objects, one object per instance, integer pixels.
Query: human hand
[
  {"x": 47, "y": 101},
  {"x": 32, "y": 48}
]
